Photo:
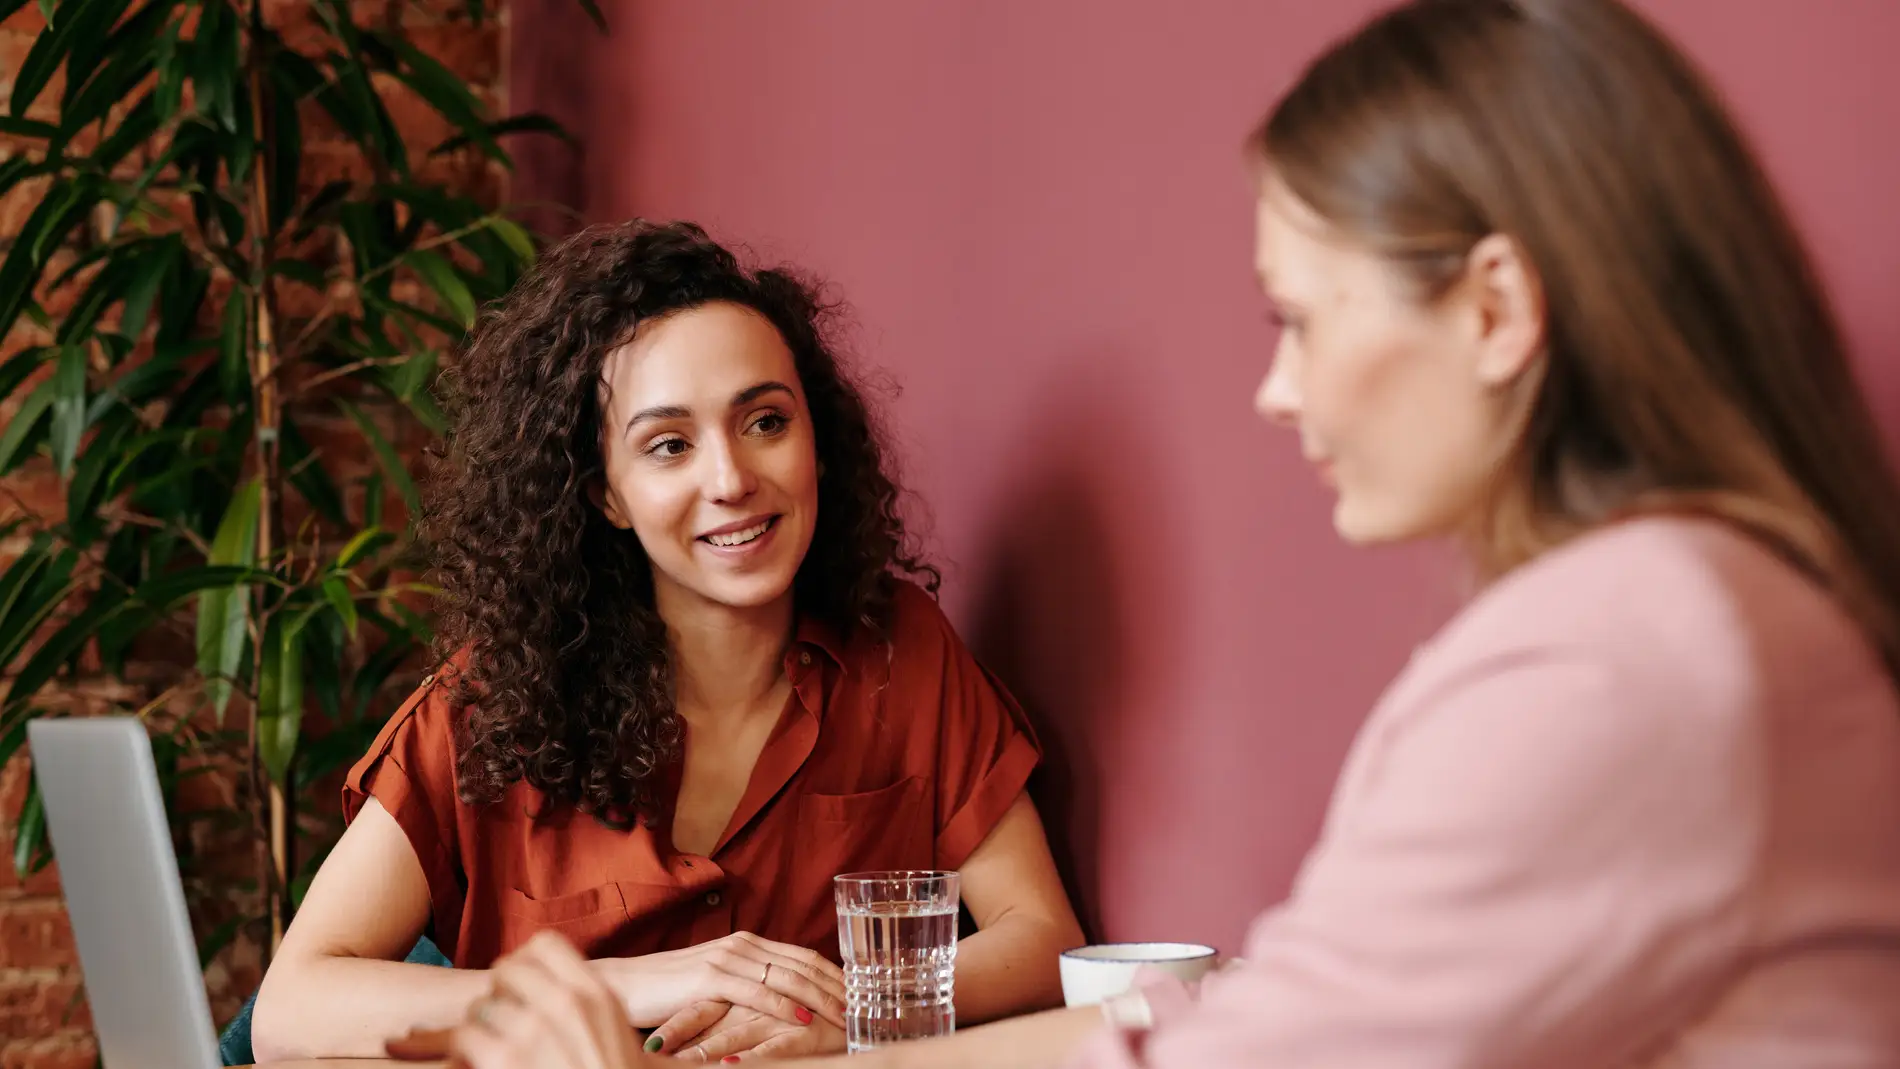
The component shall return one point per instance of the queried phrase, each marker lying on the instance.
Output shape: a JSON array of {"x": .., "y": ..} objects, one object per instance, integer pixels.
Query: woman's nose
[{"x": 1278, "y": 399}]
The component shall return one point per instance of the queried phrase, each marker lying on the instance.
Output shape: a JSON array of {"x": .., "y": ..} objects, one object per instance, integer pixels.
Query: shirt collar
[{"x": 815, "y": 635}]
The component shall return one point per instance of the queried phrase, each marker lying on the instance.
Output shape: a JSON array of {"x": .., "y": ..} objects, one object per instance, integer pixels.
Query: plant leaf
[
  {"x": 64, "y": 644},
  {"x": 123, "y": 565},
  {"x": 338, "y": 593},
  {"x": 366, "y": 541},
  {"x": 13, "y": 738},
  {"x": 40, "y": 131},
  {"x": 280, "y": 694},
  {"x": 222, "y": 613},
  {"x": 515, "y": 236},
  {"x": 30, "y": 592},
  {"x": 218, "y": 938},
  {"x": 324, "y": 672},
  {"x": 319, "y": 207},
  {"x": 26, "y": 427},
  {"x": 532, "y": 122},
  {"x": 130, "y": 53},
  {"x": 387, "y": 458},
  {"x": 217, "y": 64},
  {"x": 443, "y": 91},
  {"x": 20, "y": 367},
  {"x": 44, "y": 231},
  {"x": 234, "y": 371},
  {"x": 88, "y": 484},
  {"x": 400, "y": 314},
  {"x": 161, "y": 592},
  {"x": 49, "y": 50},
  {"x": 447, "y": 283},
  {"x": 339, "y": 747},
  {"x": 142, "y": 291},
  {"x": 138, "y": 126},
  {"x": 173, "y": 59},
  {"x": 378, "y": 667},
  {"x": 305, "y": 471},
  {"x": 352, "y": 100},
  {"x": 101, "y": 292},
  {"x": 96, "y": 19},
  {"x": 129, "y": 456},
  {"x": 412, "y": 374},
  {"x": 427, "y": 412},
  {"x": 29, "y": 834},
  {"x": 593, "y": 12},
  {"x": 373, "y": 498},
  {"x": 69, "y": 406}
]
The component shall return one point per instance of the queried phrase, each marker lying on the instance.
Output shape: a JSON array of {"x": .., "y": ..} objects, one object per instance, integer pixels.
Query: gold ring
[{"x": 765, "y": 974}]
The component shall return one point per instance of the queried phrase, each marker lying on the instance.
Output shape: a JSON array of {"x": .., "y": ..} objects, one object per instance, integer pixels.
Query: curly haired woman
[{"x": 690, "y": 673}]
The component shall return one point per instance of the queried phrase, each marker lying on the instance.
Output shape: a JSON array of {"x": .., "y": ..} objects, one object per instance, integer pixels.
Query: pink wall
[{"x": 1038, "y": 211}]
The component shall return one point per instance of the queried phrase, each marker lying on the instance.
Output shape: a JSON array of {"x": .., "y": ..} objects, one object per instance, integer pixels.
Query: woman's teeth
[{"x": 739, "y": 538}]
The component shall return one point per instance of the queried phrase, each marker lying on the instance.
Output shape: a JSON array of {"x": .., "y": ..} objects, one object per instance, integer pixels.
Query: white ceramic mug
[{"x": 1094, "y": 974}]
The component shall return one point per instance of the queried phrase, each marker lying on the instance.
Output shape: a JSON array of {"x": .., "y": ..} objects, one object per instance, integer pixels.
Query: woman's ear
[
  {"x": 1509, "y": 300},
  {"x": 604, "y": 500}
]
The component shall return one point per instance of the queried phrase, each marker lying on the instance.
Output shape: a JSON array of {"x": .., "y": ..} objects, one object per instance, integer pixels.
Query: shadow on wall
[
  {"x": 1052, "y": 615},
  {"x": 560, "y": 83}
]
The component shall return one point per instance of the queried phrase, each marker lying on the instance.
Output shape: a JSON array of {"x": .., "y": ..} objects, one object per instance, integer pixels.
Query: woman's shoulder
[
  {"x": 1692, "y": 603},
  {"x": 430, "y": 710},
  {"x": 914, "y": 624},
  {"x": 418, "y": 740}
]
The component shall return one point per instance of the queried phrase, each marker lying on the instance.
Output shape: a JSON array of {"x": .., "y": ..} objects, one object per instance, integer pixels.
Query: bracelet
[{"x": 1129, "y": 1012}]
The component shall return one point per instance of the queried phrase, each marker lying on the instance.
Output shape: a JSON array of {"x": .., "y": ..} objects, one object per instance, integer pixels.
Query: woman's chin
[
  {"x": 748, "y": 592},
  {"x": 1360, "y": 525}
]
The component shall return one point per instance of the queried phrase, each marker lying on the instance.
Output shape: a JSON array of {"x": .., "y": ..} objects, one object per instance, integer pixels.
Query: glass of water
[{"x": 897, "y": 933}]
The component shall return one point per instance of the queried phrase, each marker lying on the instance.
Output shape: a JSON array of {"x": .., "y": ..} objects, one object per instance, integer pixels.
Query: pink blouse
[{"x": 1637, "y": 805}]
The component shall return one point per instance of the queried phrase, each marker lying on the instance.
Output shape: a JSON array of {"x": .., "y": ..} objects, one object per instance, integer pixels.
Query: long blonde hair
[{"x": 1693, "y": 362}]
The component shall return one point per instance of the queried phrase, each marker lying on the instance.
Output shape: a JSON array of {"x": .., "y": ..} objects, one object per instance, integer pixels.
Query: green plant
[{"x": 211, "y": 332}]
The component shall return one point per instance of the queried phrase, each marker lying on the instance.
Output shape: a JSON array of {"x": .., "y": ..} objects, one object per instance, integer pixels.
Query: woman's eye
[
  {"x": 770, "y": 423},
  {"x": 667, "y": 447},
  {"x": 1279, "y": 320}
]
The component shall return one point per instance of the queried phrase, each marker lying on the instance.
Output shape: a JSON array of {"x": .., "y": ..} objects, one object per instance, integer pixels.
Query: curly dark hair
[{"x": 567, "y": 679}]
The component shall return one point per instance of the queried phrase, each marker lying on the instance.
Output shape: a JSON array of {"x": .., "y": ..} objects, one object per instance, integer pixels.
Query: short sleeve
[
  {"x": 986, "y": 751},
  {"x": 410, "y": 769},
  {"x": 1541, "y": 864}
]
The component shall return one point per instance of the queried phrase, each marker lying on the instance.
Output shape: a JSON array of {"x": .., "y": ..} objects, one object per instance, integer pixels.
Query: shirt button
[{"x": 713, "y": 898}]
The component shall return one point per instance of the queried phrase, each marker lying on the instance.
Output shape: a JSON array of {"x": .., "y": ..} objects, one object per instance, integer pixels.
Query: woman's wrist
[
  {"x": 620, "y": 975},
  {"x": 1129, "y": 1012}
]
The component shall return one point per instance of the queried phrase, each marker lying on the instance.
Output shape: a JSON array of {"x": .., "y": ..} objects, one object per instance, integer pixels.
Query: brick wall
[{"x": 44, "y": 1022}]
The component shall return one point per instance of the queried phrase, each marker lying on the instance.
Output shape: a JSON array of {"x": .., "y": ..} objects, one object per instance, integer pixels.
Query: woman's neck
[{"x": 726, "y": 662}]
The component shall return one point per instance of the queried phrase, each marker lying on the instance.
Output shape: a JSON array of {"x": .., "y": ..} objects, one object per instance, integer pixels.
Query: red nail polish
[
  {"x": 729, "y": 1059},
  {"x": 803, "y": 1015}
]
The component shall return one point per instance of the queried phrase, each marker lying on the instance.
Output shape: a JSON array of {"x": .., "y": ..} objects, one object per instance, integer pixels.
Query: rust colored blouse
[{"x": 900, "y": 753}]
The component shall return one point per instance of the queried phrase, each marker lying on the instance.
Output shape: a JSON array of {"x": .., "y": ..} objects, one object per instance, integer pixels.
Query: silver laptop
[{"x": 107, "y": 822}]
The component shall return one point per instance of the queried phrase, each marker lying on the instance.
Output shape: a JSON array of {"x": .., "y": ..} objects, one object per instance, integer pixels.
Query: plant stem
[{"x": 281, "y": 844}]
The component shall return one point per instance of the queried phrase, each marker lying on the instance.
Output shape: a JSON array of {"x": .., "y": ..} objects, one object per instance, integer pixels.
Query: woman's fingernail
[
  {"x": 654, "y": 1043},
  {"x": 729, "y": 1059},
  {"x": 803, "y": 1015}
]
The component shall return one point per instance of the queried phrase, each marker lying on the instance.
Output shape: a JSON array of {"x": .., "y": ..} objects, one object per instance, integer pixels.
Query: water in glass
[{"x": 897, "y": 933}]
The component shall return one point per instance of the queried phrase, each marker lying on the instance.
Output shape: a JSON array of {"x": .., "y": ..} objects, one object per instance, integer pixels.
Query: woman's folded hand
[
  {"x": 718, "y": 1031},
  {"x": 790, "y": 984}
]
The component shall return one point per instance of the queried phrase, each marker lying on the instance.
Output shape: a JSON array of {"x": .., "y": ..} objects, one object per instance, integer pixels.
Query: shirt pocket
[
  {"x": 589, "y": 918},
  {"x": 889, "y": 828}
]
